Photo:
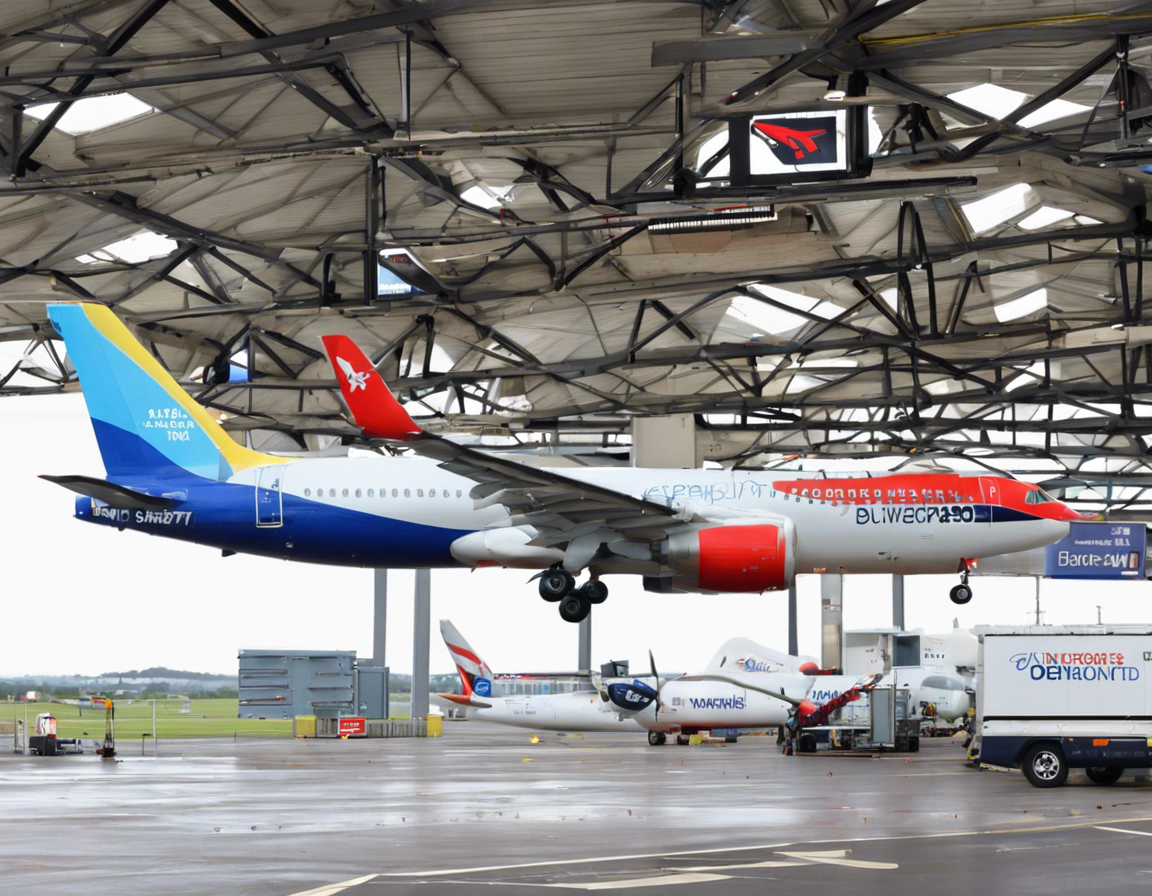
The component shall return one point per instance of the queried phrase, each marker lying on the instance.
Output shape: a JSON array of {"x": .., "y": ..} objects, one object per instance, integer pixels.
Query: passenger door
[{"x": 269, "y": 497}]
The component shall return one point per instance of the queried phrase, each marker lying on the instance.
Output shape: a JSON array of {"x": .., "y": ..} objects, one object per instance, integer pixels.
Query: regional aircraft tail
[
  {"x": 744, "y": 655},
  {"x": 467, "y": 661},
  {"x": 145, "y": 423}
]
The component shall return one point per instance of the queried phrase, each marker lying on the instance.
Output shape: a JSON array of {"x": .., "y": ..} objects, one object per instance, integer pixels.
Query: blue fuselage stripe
[{"x": 223, "y": 515}]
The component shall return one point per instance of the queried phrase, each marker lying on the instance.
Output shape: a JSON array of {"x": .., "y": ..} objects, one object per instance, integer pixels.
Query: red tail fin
[{"x": 374, "y": 408}]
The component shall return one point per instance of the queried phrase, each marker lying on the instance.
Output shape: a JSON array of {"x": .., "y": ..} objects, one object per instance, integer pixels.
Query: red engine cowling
[{"x": 735, "y": 558}]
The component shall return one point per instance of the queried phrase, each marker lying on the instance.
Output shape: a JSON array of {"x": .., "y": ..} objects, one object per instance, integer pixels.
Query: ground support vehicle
[{"x": 1054, "y": 698}]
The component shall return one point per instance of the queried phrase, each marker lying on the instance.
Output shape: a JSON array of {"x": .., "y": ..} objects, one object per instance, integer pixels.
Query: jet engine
[{"x": 730, "y": 558}]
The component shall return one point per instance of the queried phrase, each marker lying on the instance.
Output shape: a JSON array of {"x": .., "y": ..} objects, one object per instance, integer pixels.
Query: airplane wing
[{"x": 565, "y": 511}]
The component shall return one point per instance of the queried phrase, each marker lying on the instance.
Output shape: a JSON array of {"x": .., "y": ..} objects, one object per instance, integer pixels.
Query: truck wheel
[
  {"x": 656, "y": 738},
  {"x": 807, "y": 743},
  {"x": 1045, "y": 765},
  {"x": 913, "y": 745},
  {"x": 1103, "y": 775}
]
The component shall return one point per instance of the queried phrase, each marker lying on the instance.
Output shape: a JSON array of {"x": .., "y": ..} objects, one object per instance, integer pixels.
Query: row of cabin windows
[{"x": 432, "y": 493}]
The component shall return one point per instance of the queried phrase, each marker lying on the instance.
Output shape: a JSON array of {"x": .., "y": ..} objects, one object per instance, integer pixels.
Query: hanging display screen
[{"x": 794, "y": 147}]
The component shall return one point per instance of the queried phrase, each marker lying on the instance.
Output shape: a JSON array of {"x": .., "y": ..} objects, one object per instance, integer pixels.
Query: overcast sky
[{"x": 83, "y": 598}]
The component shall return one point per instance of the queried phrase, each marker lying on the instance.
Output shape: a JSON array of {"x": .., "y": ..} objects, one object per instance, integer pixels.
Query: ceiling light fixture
[{"x": 734, "y": 219}]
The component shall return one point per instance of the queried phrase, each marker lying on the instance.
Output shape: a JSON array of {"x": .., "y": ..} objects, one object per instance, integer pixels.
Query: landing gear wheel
[
  {"x": 1104, "y": 775},
  {"x": 1045, "y": 766},
  {"x": 961, "y": 594},
  {"x": 574, "y": 608},
  {"x": 595, "y": 591},
  {"x": 555, "y": 583},
  {"x": 656, "y": 738},
  {"x": 681, "y": 740}
]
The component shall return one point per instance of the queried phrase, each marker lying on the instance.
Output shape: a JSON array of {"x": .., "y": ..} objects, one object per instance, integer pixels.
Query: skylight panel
[
  {"x": 1051, "y": 112},
  {"x": 1042, "y": 217},
  {"x": 1030, "y": 375},
  {"x": 93, "y": 113},
  {"x": 986, "y": 213},
  {"x": 1024, "y": 305},
  {"x": 999, "y": 102},
  {"x": 766, "y": 318},
  {"x": 709, "y": 148},
  {"x": 990, "y": 99},
  {"x": 486, "y": 195},
  {"x": 133, "y": 250}
]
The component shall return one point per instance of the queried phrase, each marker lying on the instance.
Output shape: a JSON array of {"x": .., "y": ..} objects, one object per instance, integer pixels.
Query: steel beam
[
  {"x": 584, "y": 649},
  {"x": 421, "y": 642},
  {"x": 793, "y": 622},
  {"x": 831, "y": 620},
  {"x": 380, "y": 617},
  {"x": 741, "y": 46}
]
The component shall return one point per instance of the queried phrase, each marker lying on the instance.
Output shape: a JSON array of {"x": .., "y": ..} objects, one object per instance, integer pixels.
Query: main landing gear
[
  {"x": 962, "y": 593},
  {"x": 557, "y": 585}
]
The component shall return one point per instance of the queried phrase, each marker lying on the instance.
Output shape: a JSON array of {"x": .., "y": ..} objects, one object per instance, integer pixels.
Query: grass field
[{"x": 207, "y": 718}]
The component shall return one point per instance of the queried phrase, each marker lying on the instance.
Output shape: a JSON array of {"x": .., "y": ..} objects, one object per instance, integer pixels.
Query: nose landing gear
[
  {"x": 962, "y": 593},
  {"x": 557, "y": 585}
]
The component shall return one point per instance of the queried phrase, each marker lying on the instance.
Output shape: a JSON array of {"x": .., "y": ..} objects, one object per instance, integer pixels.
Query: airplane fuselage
[
  {"x": 579, "y": 711},
  {"x": 409, "y": 512},
  {"x": 690, "y": 706}
]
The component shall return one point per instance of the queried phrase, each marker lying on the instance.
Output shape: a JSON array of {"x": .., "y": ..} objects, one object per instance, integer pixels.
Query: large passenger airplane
[{"x": 173, "y": 471}]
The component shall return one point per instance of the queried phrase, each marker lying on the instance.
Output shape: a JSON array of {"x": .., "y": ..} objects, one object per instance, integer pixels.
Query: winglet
[{"x": 374, "y": 408}]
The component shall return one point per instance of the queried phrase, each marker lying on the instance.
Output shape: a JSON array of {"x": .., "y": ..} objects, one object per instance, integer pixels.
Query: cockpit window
[{"x": 1037, "y": 496}]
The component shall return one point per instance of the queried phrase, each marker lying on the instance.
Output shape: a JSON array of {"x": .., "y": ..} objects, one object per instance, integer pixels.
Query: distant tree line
[
  {"x": 161, "y": 672},
  {"x": 10, "y": 690}
]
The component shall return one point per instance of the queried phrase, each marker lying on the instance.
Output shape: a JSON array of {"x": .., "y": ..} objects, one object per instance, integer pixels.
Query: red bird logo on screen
[{"x": 782, "y": 139}]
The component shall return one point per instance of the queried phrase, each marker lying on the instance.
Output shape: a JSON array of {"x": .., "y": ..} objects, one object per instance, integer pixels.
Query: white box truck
[{"x": 1051, "y": 698}]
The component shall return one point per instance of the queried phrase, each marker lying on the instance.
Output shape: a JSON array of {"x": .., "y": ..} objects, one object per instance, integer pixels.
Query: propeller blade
[{"x": 656, "y": 676}]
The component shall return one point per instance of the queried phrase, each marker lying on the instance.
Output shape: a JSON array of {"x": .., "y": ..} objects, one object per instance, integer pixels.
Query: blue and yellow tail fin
[{"x": 144, "y": 421}]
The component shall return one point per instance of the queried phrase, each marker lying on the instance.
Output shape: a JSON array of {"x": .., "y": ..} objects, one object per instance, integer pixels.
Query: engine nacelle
[{"x": 732, "y": 558}]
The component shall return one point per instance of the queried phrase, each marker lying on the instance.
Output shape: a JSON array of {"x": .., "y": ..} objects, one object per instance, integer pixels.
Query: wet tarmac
[{"x": 484, "y": 810}]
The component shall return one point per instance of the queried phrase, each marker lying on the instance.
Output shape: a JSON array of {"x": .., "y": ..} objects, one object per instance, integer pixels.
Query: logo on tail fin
[
  {"x": 355, "y": 380},
  {"x": 475, "y": 675}
]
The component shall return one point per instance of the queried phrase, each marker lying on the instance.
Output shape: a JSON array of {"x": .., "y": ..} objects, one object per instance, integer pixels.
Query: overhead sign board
[{"x": 1098, "y": 551}]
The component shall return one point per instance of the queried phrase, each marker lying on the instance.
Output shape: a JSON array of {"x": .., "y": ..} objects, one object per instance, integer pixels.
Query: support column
[
  {"x": 584, "y": 651},
  {"x": 379, "y": 616},
  {"x": 793, "y": 627},
  {"x": 664, "y": 442},
  {"x": 898, "y": 602},
  {"x": 831, "y": 620},
  {"x": 421, "y": 633}
]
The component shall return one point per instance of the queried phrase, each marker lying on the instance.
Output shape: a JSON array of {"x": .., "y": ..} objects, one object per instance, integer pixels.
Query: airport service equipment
[{"x": 1052, "y": 698}]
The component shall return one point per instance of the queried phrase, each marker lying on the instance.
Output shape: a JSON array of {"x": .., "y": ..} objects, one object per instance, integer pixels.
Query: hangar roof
[{"x": 545, "y": 184}]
